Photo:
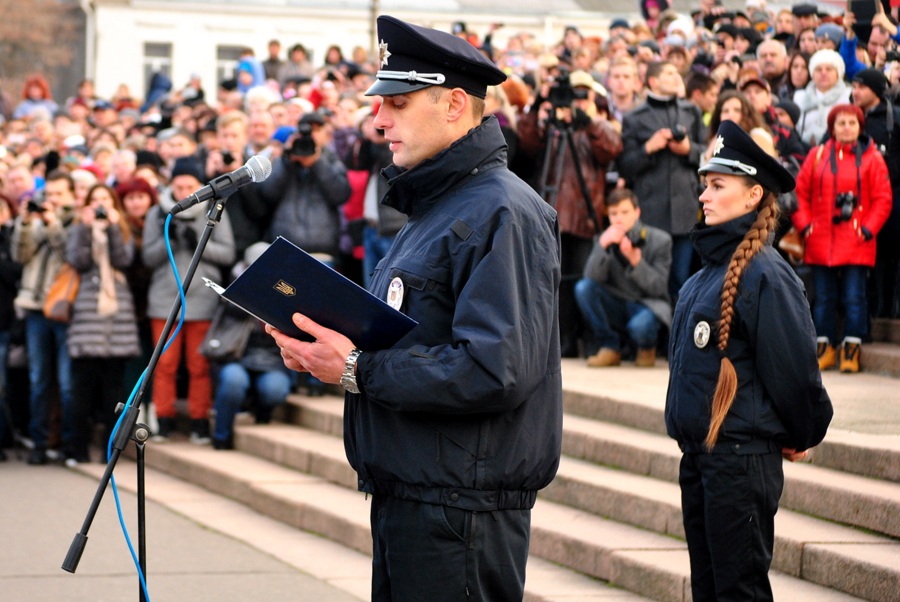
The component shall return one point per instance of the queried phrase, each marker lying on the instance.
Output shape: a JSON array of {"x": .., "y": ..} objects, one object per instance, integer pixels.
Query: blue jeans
[
  {"x": 46, "y": 343},
  {"x": 682, "y": 254},
  {"x": 610, "y": 317},
  {"x": 375, "y": 248},
  {"x": 849, "y": 283},
  {"x": 4, "y": 408},
  {"x": 272, "y": 388}
]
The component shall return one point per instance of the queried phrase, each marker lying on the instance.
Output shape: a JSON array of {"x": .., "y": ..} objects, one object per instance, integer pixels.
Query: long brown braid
[{"x": 753, "y": 242}]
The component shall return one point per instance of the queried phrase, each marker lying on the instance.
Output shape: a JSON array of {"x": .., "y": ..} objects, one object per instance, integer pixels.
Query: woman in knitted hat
[
  {"x": 844, "y": 198},
  {"x": 744, "y": 386},
  {"x": 826, "y": 90}
]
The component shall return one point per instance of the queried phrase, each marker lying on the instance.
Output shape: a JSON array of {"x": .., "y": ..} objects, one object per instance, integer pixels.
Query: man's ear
[{"x": 457, "y": 104}]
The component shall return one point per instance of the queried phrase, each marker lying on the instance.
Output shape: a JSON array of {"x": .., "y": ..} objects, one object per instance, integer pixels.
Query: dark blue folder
[{"x": 286, "y": 280}]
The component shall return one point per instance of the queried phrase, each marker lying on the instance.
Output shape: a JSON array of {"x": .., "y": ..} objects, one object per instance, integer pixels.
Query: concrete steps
[
  {"x": 314, "y": 504},
  {"x": 654, "y": 505},
  {"x": 613, "y": 513},
  {"x": 882, "y": 356},
  {"x": 646, "y": 563}
]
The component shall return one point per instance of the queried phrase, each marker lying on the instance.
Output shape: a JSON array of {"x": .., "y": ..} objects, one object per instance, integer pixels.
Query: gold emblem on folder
[{"x": 285, "y": 289}]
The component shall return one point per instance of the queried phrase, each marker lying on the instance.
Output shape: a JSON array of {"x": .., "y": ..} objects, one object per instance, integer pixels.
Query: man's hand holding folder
[{"x": 324, "y": 358}]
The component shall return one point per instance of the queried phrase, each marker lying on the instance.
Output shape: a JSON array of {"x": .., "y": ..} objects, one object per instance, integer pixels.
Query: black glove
[{"x": 188, "y": 237}]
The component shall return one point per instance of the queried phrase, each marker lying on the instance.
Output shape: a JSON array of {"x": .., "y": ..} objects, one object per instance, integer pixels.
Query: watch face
[{"x": 349, "y": 383}]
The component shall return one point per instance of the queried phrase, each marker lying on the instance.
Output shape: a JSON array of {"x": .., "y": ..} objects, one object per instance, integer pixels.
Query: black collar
[{"x": 716, "y": 244}]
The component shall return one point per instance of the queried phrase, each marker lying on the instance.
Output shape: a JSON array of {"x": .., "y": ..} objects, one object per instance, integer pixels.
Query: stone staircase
[
  {"x": 882, "y": 356},
  {"x": 610, "y": 524}
]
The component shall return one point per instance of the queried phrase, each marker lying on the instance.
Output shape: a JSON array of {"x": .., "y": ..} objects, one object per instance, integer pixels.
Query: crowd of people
[{"x": 610, "y": 130}]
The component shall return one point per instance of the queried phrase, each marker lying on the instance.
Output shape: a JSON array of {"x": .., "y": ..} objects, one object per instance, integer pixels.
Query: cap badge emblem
[
  {"x": 701, "y": 334},
  {"x": 383, "y": 53},
  {"x": 720, "y": 144}
]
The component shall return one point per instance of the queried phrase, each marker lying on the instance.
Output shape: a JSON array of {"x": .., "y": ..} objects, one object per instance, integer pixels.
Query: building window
[
  {"x": 227, "y": 61},
  {"x": 157, "y": 59}
]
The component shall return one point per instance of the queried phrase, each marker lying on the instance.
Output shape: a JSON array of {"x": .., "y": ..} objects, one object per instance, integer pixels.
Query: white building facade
[{"x": 127, "y": 40}]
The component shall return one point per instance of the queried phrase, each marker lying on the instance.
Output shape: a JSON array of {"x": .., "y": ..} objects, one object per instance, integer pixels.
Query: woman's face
[
  {"x": 727, "y": 197},
  {"x": 799, "y": 72},
  {"x": 807, "y": 42},
  {"x": 846, "y": 128},
  {"x": 101, "y": 197},
  {"x": 825, "y": 77},
  {"x": 137, "y": 204},
  {"x": 731, "y": 111}
]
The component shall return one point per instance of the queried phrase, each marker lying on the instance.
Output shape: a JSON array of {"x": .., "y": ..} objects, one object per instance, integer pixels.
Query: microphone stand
[{"x": 129, "y": 429}]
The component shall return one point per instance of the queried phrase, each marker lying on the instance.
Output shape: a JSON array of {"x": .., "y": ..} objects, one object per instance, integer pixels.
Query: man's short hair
[
  {"x": 654, "y": 69},
  {"x": 230, "y": 117},
  {"x": 623, "y": 60},
  {"x": 621, "y": 194},
  {"x": 777, "y": 43},
  {"x": 61, "y": 174},
  {"x": 436, "y": 92},
  {"x": 698, "y": 81}
]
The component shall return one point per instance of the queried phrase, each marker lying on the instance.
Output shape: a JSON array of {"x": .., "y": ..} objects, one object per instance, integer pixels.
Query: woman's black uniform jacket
[
  {"x": 780, "y": 400},
  {"x": 466, "y": 409}
]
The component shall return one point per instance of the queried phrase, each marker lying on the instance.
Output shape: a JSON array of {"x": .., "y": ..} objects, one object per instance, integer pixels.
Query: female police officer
[{"x": 744, "y": 385}]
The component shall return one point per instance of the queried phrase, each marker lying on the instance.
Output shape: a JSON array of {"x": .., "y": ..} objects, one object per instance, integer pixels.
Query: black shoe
[
  {"x": 263, "y": 414},
  {"x": 2, "y": 456},
  {"x": 223, "y": 445},
  {"x": 38, "y": 456},
  {"x": 165, "y": 430},
  {"x": 200, "y": 431}
]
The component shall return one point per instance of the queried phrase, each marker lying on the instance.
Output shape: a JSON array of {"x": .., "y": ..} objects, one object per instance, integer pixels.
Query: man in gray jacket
[
  {"x": 664, "y": 139},
  {"x": 624, "y": 289},
  {"x": 39, "y": 244}
]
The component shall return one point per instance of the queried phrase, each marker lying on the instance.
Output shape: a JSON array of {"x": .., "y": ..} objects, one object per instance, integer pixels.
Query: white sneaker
[{"x": 198, "y": 440}]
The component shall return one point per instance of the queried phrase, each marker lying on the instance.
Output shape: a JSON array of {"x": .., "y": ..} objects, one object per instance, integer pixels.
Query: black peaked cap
[
  {"x": 413, "y": 57},
  {"x": 736, "y": 153}
]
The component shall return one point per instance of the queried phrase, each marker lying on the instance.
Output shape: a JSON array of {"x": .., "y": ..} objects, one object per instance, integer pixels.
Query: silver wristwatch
[{"x": 348, "y": 378}]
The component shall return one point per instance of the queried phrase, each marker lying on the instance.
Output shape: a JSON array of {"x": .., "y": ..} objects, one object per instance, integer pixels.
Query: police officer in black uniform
[
  {"x": 744, "y": 386},
  {"x": 454, "y": 429}
]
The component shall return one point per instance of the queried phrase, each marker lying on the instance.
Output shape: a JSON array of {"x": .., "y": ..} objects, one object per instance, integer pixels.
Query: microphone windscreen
[{"x": 260, "y": 168}]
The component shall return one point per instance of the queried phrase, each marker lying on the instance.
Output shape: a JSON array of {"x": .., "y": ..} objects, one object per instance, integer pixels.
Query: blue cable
[{"x": 131, "y": 397}]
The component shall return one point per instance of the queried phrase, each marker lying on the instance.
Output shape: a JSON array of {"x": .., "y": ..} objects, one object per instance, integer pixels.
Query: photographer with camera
[
  {"x": 39, "y": 244},
  {"x": 844, "y": 198},
  {"x": 249, "y": 218},
  {"x": 562, "y": 113},
  {"x": 103, "y": 331},
  {"x": 305, "y": 192},
  {"x": 664, "y": 139},
  {"x": 624, "y": 292}
]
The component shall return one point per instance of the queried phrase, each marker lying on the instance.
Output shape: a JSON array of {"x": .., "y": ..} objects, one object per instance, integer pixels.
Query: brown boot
[
  {"x": 645, "y": 358},
  {"x": 827, "y": 355},
  {"x": 605, "y": 357},
  {"x": 849, "y": 357}
]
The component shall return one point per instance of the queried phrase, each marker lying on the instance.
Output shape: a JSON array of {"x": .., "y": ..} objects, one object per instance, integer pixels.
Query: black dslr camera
[
  {"x": 638, "y": 240},
  {"x": 678, "y": 133},
  {"x": 846, "y": 202},
  {"x": 303, "y": 144},
  {"x": 101, "y": 213},
  {"x": 35, "y": 206},
  {"x": 561, "y": 93}
]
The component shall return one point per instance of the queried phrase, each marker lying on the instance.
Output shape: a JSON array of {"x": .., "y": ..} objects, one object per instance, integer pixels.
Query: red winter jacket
[{"x": 849, "y": 242}]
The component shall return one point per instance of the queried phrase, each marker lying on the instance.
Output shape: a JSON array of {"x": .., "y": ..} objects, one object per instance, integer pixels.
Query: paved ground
[{"x": 41, "y": 509}]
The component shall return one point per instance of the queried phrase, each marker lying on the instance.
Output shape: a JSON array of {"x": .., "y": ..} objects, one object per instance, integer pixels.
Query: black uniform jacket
[
  {"x": 780, "y": 400},
  {"x": 466, "y": 409}
]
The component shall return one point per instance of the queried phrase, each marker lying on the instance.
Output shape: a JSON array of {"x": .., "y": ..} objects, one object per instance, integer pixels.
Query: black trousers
[
  {"x": 729, "y": 503},
  {"x": 97, "y": 388},
  {"x": 429, "y": 553}
]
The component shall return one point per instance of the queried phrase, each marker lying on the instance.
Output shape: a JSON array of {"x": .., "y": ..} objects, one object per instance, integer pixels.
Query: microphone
[{"x": 257, "y": 169}]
